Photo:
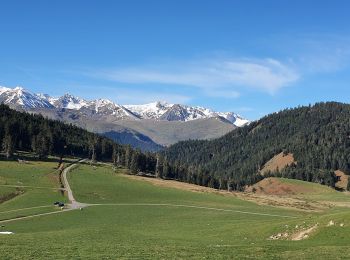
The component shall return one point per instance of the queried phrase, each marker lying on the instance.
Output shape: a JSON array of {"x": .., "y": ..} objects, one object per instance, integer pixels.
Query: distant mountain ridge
[
  {"x": 149, "y": 127},
  {"x": 21, "y": 98}
]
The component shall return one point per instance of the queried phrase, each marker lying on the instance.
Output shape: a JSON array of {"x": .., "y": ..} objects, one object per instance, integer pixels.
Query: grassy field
[
  {"x": 131, "y": 225},
  {"x": 36, "y": 184}
]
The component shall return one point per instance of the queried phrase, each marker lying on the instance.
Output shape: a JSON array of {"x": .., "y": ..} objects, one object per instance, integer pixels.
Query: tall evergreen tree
[
  {"x": 127, "y": 156},
  {"x": 159, "y": 167},
  {"x": 114, "y": 155},
  {"x": 8, "y": 146},
  {"x": 134, "y": 163}
]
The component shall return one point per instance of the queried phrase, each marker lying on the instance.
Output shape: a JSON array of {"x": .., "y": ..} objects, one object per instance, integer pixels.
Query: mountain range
[{"x": 149, "y": 126}]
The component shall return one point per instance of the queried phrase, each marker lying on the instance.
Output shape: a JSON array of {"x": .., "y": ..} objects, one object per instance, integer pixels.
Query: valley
[{"x": 174, "y": 130}]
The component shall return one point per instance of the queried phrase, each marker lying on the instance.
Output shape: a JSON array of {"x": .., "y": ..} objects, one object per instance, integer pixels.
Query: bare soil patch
[
  {"x": 278, "y": 162},
  {"x": 343, "y": 180},
  {"x": 274, "y": 186}
]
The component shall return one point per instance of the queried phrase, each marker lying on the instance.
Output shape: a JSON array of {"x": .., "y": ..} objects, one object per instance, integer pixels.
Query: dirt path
[{"x": 73, "y": 203}]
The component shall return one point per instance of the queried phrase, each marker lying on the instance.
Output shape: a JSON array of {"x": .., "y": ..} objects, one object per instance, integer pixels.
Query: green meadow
[{"x": 134, "y": 219}]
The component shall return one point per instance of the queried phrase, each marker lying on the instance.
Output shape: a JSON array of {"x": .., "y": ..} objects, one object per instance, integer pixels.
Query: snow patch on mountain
[
  {"x": 70, "y": 102},
  {"x": 150, "y": 111}
]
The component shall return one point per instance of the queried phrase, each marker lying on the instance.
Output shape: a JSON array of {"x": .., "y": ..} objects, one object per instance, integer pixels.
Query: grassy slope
[
  {"x": 41, "y": 179},
  {"x": 166, "y": 232},
  {"x": 319, "y": 192}
]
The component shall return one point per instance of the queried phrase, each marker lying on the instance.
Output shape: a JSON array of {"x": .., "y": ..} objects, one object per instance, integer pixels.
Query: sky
[{"x": 250, "y": 57}]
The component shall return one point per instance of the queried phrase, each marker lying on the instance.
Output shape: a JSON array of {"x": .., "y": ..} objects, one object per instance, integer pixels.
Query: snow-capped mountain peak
[
  {"x": 70, "y": 102},
  {"x": 152, "y": 110},
  {"x": 20, "y": 98},
  {"x": 4, "y": 89}
]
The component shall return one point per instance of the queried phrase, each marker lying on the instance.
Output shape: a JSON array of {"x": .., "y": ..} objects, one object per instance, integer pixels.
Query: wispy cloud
[
  {"x": 311, "y": 52},
  {"x": 214, "y": 77}
]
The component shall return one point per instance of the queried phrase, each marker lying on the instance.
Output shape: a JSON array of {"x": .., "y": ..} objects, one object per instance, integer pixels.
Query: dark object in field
[{"x": 59, "y": 204}]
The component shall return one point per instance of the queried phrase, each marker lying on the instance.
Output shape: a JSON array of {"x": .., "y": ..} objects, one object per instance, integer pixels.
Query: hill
[{"x": 317, "y": 136}]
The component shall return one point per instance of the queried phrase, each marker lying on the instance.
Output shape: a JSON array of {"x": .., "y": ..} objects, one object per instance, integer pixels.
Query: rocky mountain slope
[{"x": 147, "y": 126}]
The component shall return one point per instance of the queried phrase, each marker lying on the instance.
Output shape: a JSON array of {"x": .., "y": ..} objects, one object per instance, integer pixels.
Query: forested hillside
[
  {"x": 318, "y": 136},
  {"x": 42, "y": 136}
]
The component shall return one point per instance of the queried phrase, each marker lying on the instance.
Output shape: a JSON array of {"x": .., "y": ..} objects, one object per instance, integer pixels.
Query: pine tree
[
  {"x": 7, "y": 145},
  {"x": 114, "y": 155},
  {"x": 159, "y": 167},
  {"x": 134, "y": 167},
  {"x": 166, "y": 169},
  {"x": 92, "y": 147},
  {"x": 42, "y": 145},
  {"x": 103, "y": 147},
  {"x": 127, "y": 156}
]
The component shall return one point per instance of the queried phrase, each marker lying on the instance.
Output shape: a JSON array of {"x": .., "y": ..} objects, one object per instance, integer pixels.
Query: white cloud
[{"x": 224, "y": 77}]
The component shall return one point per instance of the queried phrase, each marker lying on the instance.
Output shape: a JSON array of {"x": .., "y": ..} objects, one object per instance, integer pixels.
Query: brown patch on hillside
[
  {"x": 278, "y": 162},
  {"x": 260, "y": 199},
  {"x": 342, "y": 183},
  {"x": 274, "y": 186}
]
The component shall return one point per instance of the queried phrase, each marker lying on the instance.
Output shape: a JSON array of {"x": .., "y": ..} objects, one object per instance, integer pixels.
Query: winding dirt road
[{"x": 73, "y": 203}]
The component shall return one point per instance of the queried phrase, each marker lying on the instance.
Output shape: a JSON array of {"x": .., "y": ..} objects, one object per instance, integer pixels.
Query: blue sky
[{"x": 251, "y": 57}]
